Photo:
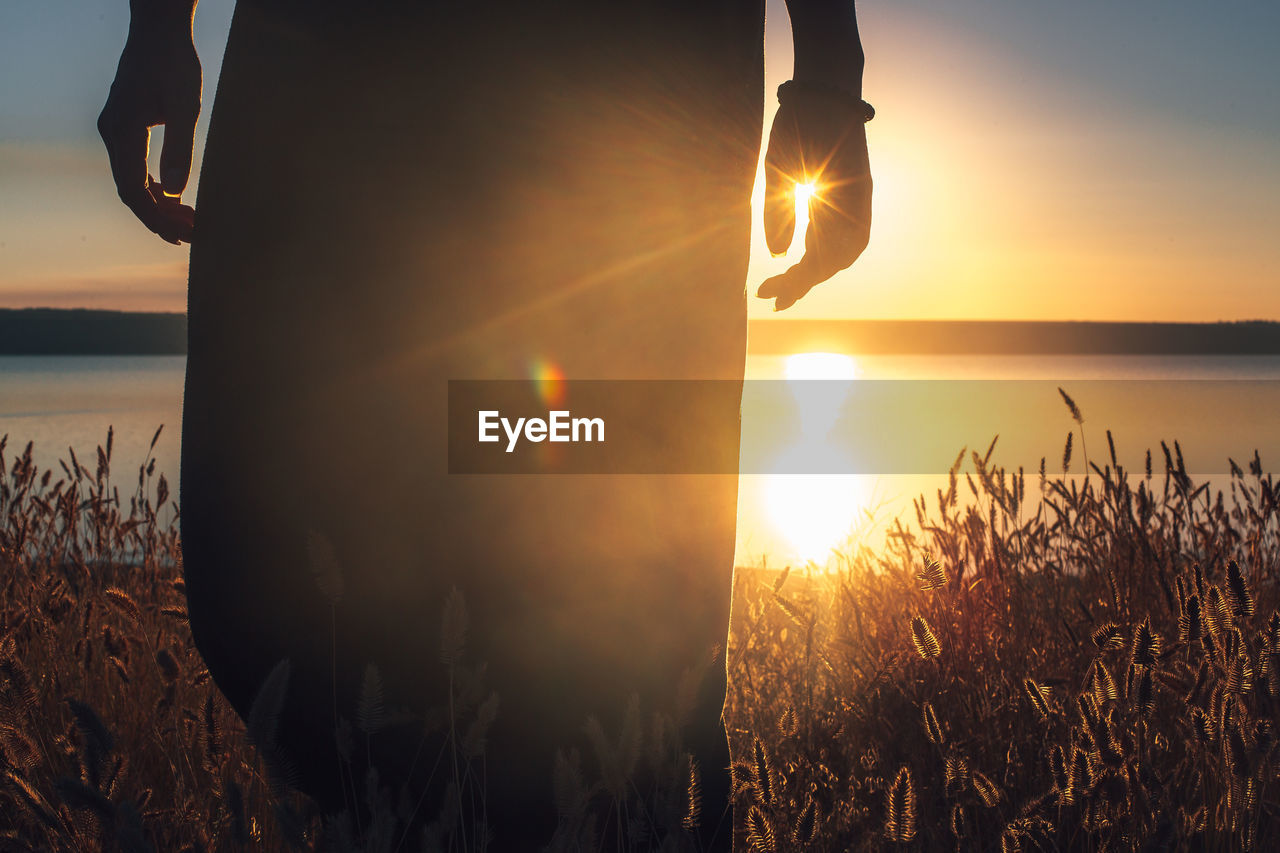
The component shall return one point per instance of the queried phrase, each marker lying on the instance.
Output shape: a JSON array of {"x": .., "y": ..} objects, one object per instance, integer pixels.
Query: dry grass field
[{"x": 1035, "y": 661}]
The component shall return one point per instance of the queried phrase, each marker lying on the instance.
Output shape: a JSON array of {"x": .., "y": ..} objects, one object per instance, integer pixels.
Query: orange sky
[
  {"x": 1027, "y": 165},
  {"x": 1005, "y": 189}
]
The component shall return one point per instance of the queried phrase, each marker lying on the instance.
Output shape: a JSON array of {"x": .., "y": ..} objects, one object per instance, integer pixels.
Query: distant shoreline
[
  {"x": 84, "y": 331},
  {"x": 1014, "y": 337},
  {"x": 60, "y": 331}
]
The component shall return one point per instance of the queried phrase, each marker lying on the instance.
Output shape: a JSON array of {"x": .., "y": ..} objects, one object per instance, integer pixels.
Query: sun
[
  {"x": 820, "y": 365},
  {"x": 804, "y": 192}
]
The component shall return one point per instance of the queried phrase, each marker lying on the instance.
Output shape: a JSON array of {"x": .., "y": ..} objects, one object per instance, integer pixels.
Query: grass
[
  {"x": 111, "y": 734},
  {"x": 1032, "y": 662}
]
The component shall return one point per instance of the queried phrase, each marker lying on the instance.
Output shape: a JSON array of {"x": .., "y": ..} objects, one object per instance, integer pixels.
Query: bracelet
[{"x": 861, "y": 108}]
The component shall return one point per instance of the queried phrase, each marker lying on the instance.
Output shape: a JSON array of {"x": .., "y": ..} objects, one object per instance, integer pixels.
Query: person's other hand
[
  {"x": 816, "y": 139},
  {"x": 157, "y": 82}
]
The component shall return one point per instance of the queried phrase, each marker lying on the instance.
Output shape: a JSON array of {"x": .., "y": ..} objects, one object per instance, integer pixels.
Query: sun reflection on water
[{"x": 815, "y": 512}]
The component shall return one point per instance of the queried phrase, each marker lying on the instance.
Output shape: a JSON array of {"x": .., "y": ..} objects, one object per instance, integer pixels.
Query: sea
[{"x": 914, "y": 414}]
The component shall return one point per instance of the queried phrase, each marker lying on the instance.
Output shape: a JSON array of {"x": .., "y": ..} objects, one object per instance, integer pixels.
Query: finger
[
  {"x": 813, "y": 268},
  {"x": 839, "y": 225},
  {"x": 163, "y": 216},
  {"x": 779, "y": 183},
  {"x": 779, "y": 209},
  {"x": 787, "y": 289},
  {"x": 127, "y": 143},
  {"x": 127, "y": 137},
  {"x": 127, "y": 151},
  {"x": 175, "y": 154},
  {"x": 171, "y": 219}
]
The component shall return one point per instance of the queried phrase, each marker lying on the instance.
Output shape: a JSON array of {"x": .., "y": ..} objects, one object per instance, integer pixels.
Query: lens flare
[
  {"x": 804, "y": 192},
  {"x": 548, "y": 378}
]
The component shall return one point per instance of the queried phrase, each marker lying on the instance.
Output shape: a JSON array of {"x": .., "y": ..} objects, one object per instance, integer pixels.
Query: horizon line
[{"x": 772, "y": 320}]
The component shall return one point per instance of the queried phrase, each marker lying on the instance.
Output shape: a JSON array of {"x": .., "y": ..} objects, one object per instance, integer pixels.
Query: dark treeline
[
  {"x": 79, "y": 331},
  {"x": 1003, "y": 337},
  {"x": 55, "y": 331}
]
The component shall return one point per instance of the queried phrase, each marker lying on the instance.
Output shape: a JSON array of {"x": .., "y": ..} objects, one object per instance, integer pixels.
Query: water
[
  {"x": 69, "y": 401},
  {"x": 1215, "y": 407}
]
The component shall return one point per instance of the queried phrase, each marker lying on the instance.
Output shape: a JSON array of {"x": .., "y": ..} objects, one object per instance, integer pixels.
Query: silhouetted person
[{"x": 399, "y": 193}]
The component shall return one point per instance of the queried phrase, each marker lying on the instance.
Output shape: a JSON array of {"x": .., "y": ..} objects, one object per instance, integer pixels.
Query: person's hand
[
  {"x": 157, "y": 82},
  {"x": 816, "y": 139}
]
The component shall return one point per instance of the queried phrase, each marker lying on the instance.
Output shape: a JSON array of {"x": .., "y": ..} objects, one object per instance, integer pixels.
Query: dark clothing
[{"x": 462, "y": 190}]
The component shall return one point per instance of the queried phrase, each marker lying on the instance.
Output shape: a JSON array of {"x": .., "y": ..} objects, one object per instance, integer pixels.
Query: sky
[{"x": 1032, "y": 160}]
